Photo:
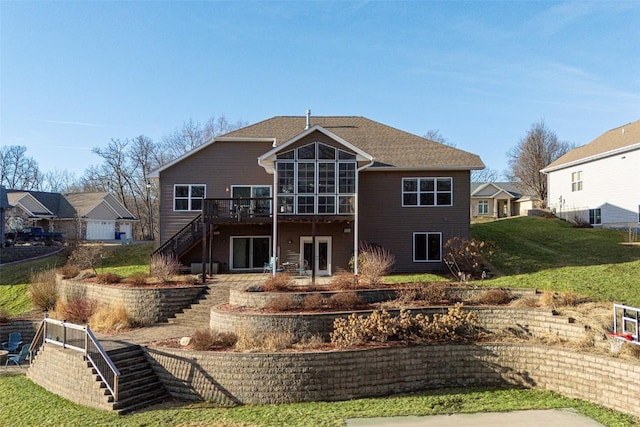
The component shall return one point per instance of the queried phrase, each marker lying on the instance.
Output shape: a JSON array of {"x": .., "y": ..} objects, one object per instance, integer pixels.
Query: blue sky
[{"x": 73, "y": 75}]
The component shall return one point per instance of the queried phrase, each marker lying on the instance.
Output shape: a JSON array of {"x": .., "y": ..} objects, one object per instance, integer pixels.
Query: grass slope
[{"x": 550, "y": 254}]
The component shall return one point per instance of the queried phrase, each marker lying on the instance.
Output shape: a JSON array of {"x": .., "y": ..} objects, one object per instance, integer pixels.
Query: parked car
[{"x": 37, "y": 234}]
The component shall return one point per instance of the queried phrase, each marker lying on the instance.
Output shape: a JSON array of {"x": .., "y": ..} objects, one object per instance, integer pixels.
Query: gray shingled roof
[
  {"x": 615, "y": 139},
  {"x": 390, "y": 147},
  {"x": 85, "y": 202},
  {"x": 55, "y": 202}
]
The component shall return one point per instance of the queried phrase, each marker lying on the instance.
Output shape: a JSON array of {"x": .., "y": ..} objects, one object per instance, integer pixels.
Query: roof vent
[
  {"x": 308, "y": 120},
  {"x": 623, "y": 131}
]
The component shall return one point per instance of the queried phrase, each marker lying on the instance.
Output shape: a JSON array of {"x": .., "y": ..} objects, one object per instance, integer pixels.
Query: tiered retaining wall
[
  {"x": 369, "y": 296},
  {"x": 144, "y": 305},
  {"x": 229, "y": 378},
  {"x": 525, "y": 322}
]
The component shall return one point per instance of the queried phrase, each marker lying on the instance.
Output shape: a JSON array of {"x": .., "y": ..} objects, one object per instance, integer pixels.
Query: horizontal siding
[
  {"x": 384, "y": 221},
  {"x": 218, "y": 166},
  {"x": 610, "y": 184}
]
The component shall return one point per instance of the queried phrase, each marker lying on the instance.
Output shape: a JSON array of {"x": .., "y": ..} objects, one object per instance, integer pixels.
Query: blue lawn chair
[
  {"x": 18, "y": 357},
  {"x": 15, "y": 339}
]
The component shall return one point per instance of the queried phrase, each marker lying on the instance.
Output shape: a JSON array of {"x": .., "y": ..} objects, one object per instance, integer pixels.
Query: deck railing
[
  {"x": 183, "y": 239},
  {"x": 236, "y": 209},
  {"x": 78, "y": 338}
]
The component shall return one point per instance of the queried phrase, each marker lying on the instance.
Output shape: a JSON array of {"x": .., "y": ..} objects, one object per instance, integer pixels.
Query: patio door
[
  {"x": 322, "y": 254},
  {"x": 249, "y": 253}
]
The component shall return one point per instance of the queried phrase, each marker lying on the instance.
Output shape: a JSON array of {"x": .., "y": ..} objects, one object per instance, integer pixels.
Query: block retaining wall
[
  {"x": 369, "y": 296},
  {"x": 146, "y": 306},
  {"x": 229, "y": 378},
  {"x": 65, "y": 373},
  {"x": 520, "y": 321},
  {"x": 26, "y": 327}
]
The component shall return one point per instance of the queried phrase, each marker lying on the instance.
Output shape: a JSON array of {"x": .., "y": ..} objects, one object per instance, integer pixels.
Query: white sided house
[{"x": 599, "y": 183}]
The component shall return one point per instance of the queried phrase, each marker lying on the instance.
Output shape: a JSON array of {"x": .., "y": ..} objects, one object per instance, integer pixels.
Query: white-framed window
[
  {"x": 483, "y": 207},
  {"x": 316, "y": 178},
  {"x": 427, "y": 247},
  {"x": 427, "y": 192},
  {"x": 595, "y": 216},
  {"x": 576, "y": 181},
  {"x": 188, "y": 197}
]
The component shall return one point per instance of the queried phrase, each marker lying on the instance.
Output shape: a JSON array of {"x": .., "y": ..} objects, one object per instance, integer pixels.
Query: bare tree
[
  {"x": 193, "y": 134},
  {"x": 485, "y": 175},
  {"x": 17, "y": 170},
  {"x": 436, "y": 136},
  {"x": 59, "y": 181},
  {"x": 536, "y": 150}
]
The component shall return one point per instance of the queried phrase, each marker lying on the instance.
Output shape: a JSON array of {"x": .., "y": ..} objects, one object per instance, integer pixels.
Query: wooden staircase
[{"x": 138, "y": 385}]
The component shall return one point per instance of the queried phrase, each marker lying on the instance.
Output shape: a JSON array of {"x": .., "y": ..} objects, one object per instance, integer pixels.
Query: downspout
[
  {"x": 274, "y": 215},
  {"x": 356, "y": 219}
]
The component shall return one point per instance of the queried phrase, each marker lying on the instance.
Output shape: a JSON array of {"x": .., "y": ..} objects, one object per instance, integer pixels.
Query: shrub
[
  {"x": 464, "y": 258},
  {"x": 88, "y": 256},
  {"x": 495, "y": 297},
  {"x": 277, "y": 283},
  {"x": 138, "y": 279},
  {"x": 163, "y": 267},
  {"x": 202, "y": 340},
  {"x": 344, "y": 301},
  {"x": 69, "y": 271},
  {"x": 374, "y": 262},
  {"x": 108, "y": 278},
  {"x": 43, "y": 290},
  {"x": 192, "y": 280},
  {"x": 548, "y": 299},
  {"x": 260, "y": 340},
  {"x": 281, "y": 303},
  {"x": 342, "y": 280},
  {"x": 110, "y": 319},
  {"x": 76, "y": 308},
  {"x": 380, "y": 326},
  {"x": 570, "y": 299},
  {"x": 4, "y": 315},
  {"x": 313, "y": 302}
]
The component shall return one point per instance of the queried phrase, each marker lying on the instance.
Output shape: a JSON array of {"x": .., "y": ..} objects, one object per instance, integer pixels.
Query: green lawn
[
  {"x": 26, "y": 404},
  {"x": 550, "y": 254}
]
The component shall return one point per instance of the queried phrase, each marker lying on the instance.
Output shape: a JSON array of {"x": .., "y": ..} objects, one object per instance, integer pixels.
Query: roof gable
[
  {"x": 92, "y": 202},
  {"x": 614, "y": 141},
  {"x": 267, "y": 160},
  {"x": 29, "y": 204}
]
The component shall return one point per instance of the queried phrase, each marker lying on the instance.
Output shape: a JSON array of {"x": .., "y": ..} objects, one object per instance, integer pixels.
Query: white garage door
[
  {"x": 125, "y": 227},
  {"x": 101, "y": 230}
]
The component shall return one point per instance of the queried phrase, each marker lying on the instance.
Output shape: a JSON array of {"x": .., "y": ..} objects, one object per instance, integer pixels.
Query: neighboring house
[
  {"x": 86, "y": 216},
  {"x": 598, "y": 183},
  {"x": 335, "y": 182},
  {"x": 4, "y": 206},
  {"x": 102, "y": 216},
  {"x": 501, "y": 200}
]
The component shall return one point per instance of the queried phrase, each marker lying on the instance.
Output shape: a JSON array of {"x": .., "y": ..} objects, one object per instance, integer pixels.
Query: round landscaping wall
[
  {"x": 494, "y": 319},
  {"x": 370, "y": 296},
  {"x": 240, "y": 378},
  {"x": 145, "y": 306}
]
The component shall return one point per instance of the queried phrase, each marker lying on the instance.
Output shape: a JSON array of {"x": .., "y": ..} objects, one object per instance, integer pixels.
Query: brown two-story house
[{"x": 306, "y": 191}]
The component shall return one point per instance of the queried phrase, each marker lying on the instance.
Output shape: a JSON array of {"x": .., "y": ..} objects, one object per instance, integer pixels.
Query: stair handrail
[
  {"x": 91, "y": 348},
  {"x": 183, "y": 231},
  {"x": 37, "y": 342}
]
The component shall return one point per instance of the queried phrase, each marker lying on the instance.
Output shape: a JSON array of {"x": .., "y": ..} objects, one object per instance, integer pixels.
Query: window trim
[
  {"x": 189, "y": 198},
  {"x": 483, "y": 207},
  {"x": 576, "y": 181},
  {"x": 427, "y": 234},
  {"x": 435, "y": 191}
]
